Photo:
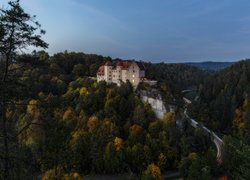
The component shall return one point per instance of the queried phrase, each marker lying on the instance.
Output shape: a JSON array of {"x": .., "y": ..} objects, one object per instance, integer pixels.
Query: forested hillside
[
  {"x": 224, "y": 96},
  {"x": 57, "y": 122},
  {"x": 223, "y": 105},
  {"x": 174, "y": 78},
  {"x": 210, "y": 65},
  {"x": 65, "y": 122}
]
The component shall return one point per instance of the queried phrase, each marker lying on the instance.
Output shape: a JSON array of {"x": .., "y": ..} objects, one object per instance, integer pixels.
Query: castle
[{"x": 121, "y": 71}]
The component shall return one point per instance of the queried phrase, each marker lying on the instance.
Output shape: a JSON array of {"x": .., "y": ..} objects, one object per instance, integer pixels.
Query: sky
[{"x": 150, "y": 30}]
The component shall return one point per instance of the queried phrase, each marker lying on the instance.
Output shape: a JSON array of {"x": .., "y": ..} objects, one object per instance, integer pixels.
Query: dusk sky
[{"x": 150, "y": 30}]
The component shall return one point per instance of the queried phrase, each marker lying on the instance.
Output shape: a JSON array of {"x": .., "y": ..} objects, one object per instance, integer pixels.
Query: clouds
[{"x": 176, "y": 30}]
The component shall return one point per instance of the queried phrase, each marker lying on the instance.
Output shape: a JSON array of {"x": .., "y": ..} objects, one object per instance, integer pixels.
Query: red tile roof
[
  {"x": 108, "y": 63},
  {"x": 101, "y": 71},
  {"x": 123, "y": 64}
]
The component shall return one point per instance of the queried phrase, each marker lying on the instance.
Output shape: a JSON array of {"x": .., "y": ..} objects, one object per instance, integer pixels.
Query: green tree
[
  {"x": 236, "y": 161},
  {"x": 18, "y": 30},
  {"x": 79, "y": 70}
]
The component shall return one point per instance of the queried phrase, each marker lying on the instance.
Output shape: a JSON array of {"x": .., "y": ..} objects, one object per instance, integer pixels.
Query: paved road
[{"x": 217, "y": 141}]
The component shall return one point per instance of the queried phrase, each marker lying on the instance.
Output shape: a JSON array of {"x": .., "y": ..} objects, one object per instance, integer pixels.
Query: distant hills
[{"x": 210, "y": 65}]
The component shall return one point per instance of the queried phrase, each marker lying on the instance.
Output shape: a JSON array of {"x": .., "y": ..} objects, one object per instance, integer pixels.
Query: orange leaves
[
  {"x": 238, "y": 122},
  {"x": 136, "y": 130},
  {"x": 68, "y": 114}
]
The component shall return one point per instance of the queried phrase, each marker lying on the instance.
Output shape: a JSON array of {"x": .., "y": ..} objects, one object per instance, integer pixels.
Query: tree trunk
[{"x": 5, "y": 142}]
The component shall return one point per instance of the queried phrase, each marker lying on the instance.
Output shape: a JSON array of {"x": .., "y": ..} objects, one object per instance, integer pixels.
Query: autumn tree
[
  {"x": 18, "y": 30},
  {"x": 152, "y": 172}
]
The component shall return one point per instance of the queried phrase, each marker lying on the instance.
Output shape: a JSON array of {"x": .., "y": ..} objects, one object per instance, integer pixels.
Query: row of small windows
[{"x": 120, "y": 71}]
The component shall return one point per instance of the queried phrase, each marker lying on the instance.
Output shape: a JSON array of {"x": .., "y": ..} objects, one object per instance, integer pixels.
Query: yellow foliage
[
  {"x": 245, "y": 104},
  {"x": 58, "y": 173},
  {"x": 55, "y": 173},
  {"x": 83, "y": 91},
  {"x": 94, "y": 84},
  {"x": 169, "y": 117},
  {"x": 162, "y": 159},
  {"x": 77, "y": 134},
  {"x": 192, "y": 156},
  {"x": 72, "y": 176},
  {"x": 32, "y": 107},
  {"x": 92, "y": 123},
  {"x": 238, "y": 122},
  {"x": 155, "y": 171},
  {"x": 118, "y": 143}
]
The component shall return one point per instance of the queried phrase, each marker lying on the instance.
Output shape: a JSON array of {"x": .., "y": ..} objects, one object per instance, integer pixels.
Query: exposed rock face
[
  {"x": 155, "y": 100},
  {"x": 157, "y": 106}
]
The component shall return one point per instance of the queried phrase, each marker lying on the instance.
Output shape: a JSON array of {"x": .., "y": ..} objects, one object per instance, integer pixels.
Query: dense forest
[
  {"x": 57, "y": 122},
  {"x": 64, "y": 122},
  {"x": 210, "y": 65},
  {"x": 224, "y": 98}
]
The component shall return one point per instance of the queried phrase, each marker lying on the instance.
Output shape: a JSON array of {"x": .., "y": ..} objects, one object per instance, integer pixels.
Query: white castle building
[{"x": 121, "y": 71}]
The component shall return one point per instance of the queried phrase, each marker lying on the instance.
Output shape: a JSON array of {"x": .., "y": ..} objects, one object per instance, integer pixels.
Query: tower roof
[
  {"x": 123, "y": 64},
  {"x": 100, "y": 71},
  {"x": 108, "y": 63}
]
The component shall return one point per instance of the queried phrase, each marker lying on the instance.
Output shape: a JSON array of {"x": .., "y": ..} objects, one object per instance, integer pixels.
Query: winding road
[
  {"x": 217, "y": 141},
  {"x": 159, "y": 109}
]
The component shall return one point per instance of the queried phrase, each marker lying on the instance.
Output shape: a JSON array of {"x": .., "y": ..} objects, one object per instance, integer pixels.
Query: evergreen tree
[{"x": 18, "y": 30}]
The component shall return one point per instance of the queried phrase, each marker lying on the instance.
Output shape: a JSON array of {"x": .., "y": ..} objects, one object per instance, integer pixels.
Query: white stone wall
[
  {"x": 100, "y": 78},
  {"x": 124, "y": 75},
  {"x": 133, "y": 74},
  {"x": 108, "y": 74}
]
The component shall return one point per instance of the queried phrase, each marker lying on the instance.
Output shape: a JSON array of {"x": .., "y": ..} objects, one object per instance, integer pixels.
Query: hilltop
[{"x": 210, "y": 65}]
